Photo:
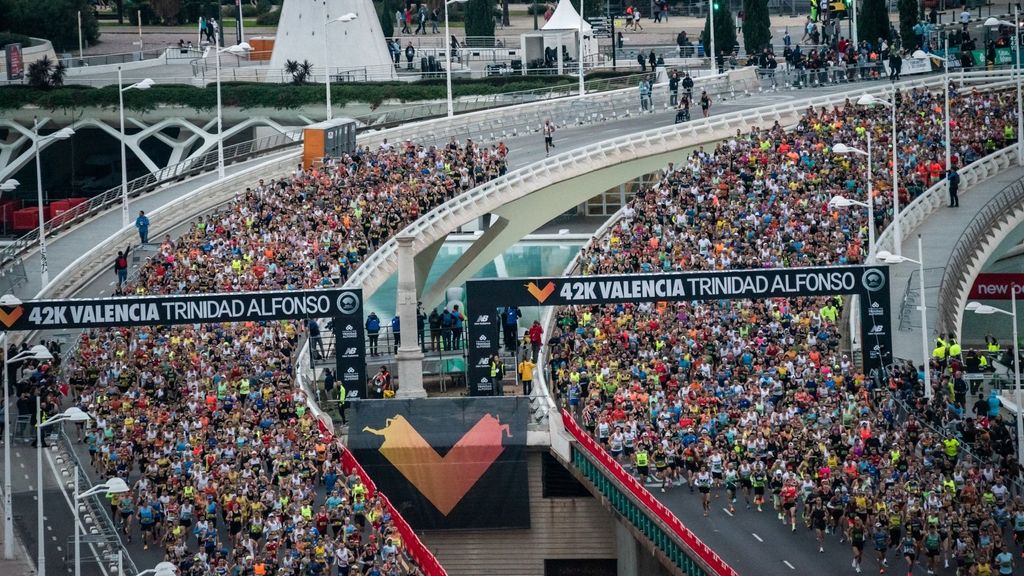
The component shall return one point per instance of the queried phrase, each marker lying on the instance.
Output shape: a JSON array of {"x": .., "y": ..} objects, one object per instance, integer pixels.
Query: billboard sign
[
  {"x": 444, "y": 461},
  {"x": 14, "y": 61}
]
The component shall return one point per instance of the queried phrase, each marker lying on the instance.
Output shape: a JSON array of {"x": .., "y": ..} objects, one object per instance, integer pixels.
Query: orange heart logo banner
[
  {"x": 541, "y": 294},
  {"x": 442, "y": 480},
  {"x": 9, "y": 318}
]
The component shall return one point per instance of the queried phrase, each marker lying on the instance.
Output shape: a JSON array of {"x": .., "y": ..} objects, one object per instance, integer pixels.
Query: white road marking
[
  {"x": 726, "y": 510},
  {"x": 758, "y": 537},
  {"x": 22, "y": 464},
  {"x": 791, "y": 567}
]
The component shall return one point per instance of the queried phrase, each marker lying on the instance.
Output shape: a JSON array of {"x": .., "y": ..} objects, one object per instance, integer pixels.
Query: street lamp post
[
  {"x": 888, "y": 258},
  {"x": 841, "y": 202},
  {"x": 583, "y": 89},
  {"x": 161, "y": 569},
  {"x": 236, "y": 49},
  {"x": 112, "y": 486},
  {"x": 121, "y": 89},
  {"x": 448, "y": 52},
  {"x": 73, "y": 414},
  {"x": 979, "y": 308},
  {"x": 62, "y": 134},
  {"x": 995, "y": 22},
  {"x": 327, "y": 69},
  {"x": 9, "y": 185},
  {"x": 920, "y": 55},
  {"x": 868, "y": 100},
  {"x": 711, "y": 29},
  {"x": 37, "y": 352}
]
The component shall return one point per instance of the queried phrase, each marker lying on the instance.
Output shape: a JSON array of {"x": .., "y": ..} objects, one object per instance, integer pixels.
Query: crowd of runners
[
  {"x": 752, "y": 403},
  {"x": 229, "y": 471}
]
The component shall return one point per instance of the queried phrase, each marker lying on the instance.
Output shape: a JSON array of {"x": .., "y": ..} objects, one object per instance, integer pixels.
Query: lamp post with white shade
[
  {"x": 869, "y": 100},
  {"x": 73, "y": 414},
  {"x": 888, "y": 258},
  {"x": 62, "y": 134},
  {"x": 142, "y": 85},
  {"x": 448, "y": 55},
  {"x": 9, "y": 185},
  {"x": 920, "y": 55},
  {"x": 979, "y": 308},
  {"x": 112, "y": 486},
  {"x": 37, "y": 352},
  {"x": 841, "y": 202},
  {"x": 995, "y": 22},
  {"x": 327, "y": 69},
  {"x": 236, "y": 49}
]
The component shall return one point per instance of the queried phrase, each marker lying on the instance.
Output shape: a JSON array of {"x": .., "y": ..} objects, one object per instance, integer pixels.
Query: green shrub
[
  {"x": 259, "y": 95},
  {"x": 270, "y": 18},
  {"x": 231, "y": 12},
  {"x": 11, "y": 38}
]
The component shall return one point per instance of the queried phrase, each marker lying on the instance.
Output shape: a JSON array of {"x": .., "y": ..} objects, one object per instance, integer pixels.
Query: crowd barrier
[
  {"x": 415, "y": 548},
  {"x": 706, "y": 555}
]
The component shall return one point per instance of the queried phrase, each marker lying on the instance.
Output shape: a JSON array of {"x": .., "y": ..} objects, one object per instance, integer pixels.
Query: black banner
[
  {"x": 871, "y": 282},
  {"x": 183, "y": 309},
  {"x": 483, "y": 343},
  {"x": 447, "y": 463},
  {"x": 350, "y": 355}
]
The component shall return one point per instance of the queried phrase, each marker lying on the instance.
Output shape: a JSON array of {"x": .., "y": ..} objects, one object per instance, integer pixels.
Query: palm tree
[
  {"x": 57, "y": 75},
  {"x": 39, "y": 73}
]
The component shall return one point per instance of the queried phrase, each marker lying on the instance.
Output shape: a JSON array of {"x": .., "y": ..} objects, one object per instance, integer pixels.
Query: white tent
[{"x": 560, "y": 30}]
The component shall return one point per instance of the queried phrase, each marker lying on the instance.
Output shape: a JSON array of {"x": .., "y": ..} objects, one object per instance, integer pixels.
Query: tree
[
  {"x": 480, "y": 18},
  {"x": 300, "y": 71},
  {"x": 873, "y": 21},
  {"x": 725, "y": 30},
  {"x": 387, "y": 18},
  {"x": 757, "y": 26},
  {"x": 54, "y": 20},
  {"x": 909, "y": 12},
  {"x": 46, "y": 74},
  {"x": 167, "y": 10}
]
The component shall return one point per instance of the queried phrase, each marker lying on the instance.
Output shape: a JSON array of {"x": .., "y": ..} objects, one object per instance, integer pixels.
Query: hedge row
[{"x": 257, "y": 95}]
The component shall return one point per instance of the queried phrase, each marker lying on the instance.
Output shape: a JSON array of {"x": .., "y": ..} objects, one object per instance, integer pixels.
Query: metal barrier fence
[{"x": 96, "y": 205}]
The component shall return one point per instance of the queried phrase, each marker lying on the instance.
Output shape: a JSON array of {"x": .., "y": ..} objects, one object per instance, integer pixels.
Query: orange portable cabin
[
  {"x": 330, "y": 138},
  {"x": 262, "y": 48}
]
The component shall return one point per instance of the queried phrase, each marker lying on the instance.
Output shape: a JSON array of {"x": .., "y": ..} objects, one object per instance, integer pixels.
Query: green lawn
[{"x": 249, "y": 23}]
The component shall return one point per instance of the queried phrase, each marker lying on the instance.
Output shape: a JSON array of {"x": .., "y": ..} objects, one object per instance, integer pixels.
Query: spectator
[
  {"x": 373, "y": 332},
  {"x": 121, "y": 266},
  {"x": 142, "y": 225}
]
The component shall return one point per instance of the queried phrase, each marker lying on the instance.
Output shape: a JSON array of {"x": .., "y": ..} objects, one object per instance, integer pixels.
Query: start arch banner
[{"x": 485, "y": 298}]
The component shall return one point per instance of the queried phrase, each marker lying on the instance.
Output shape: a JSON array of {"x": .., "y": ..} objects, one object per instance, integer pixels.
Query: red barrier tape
[
  {"x": 419, "y": 553},
  {"x": 714, "y": 561}
]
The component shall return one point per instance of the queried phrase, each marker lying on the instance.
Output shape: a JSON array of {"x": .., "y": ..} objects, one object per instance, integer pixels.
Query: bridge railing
[
  {"x": 970, "y": 243},
  {"x": 493, "y": 193},
  {"x": 411, "y": 543},
  {"x": 142, "y": 185}
]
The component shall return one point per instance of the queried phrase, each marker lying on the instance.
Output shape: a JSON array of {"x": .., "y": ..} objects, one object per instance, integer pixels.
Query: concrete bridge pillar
[{"x": 410, "y": 357}]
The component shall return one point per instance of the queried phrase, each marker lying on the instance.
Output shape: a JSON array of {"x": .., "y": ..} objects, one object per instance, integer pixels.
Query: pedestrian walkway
[
  {"x": 939, "y": 235},
  {"x": 64, "y": 249}
]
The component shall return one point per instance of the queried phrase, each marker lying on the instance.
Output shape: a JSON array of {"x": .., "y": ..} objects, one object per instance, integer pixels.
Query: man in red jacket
[{"x": 536, "y": 333}]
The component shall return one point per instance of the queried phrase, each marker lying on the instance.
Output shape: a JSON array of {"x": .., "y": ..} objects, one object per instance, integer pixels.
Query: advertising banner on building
[
  {"x": 447, "y": 463},
  {"x": 485, "y": 296},
  {"x": 183, "y": 309},
  {"x": 996, "y": 286},
  {"x": 14, "y": 61}
]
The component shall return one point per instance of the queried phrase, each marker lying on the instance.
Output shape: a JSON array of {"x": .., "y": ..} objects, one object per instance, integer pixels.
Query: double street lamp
[
  {"x": 327, "y": 68},
  {"x": 843, "y": 202},
  {"x": 73, "y": 414},
  {"x": 979, "y": 308},
  {"x": 37, "y": 352},
  {"x": 236, "y": 49},
  {"x": 994, "y": 23},
  {"x": 448, "y": 55},
  {"x": 112, "y": 486},
  {"x": 121, "y": 89},
  {"x": 888, "y": 258},
  {"x": 62, "y": 134},
  {"x": 869, "y": 100}
]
